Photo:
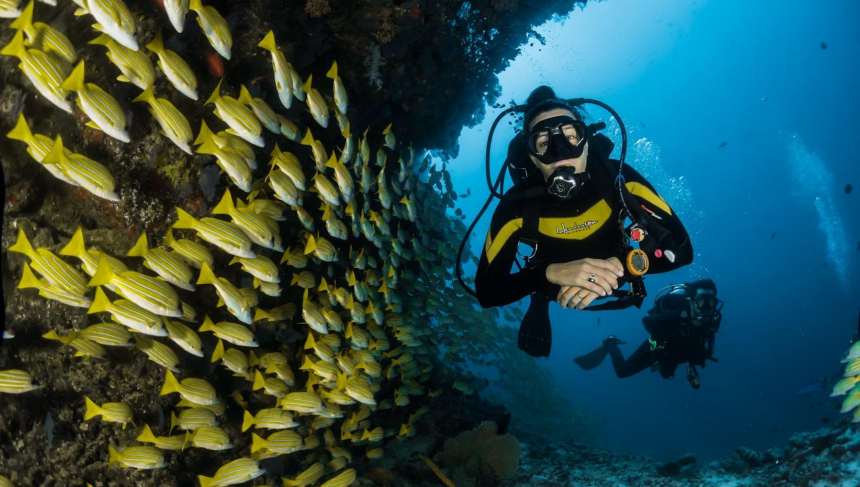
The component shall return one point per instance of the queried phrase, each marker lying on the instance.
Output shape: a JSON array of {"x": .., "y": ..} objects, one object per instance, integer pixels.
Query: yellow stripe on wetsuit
[
  {"x": 578, "y": 227},
  {"x": 642, "y": 191}
]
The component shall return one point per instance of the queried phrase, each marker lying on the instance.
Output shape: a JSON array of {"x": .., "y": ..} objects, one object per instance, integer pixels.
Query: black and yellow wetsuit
[{"x": 584, "y": 227}]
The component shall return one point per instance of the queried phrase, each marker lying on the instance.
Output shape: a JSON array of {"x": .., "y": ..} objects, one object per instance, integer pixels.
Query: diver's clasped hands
[{"x": 582, "y": 281}]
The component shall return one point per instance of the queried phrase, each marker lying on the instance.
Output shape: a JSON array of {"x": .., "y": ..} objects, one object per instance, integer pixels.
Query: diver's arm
[
  {"x": 663, "y": 215},
  {"x": 495, "y": 284}
]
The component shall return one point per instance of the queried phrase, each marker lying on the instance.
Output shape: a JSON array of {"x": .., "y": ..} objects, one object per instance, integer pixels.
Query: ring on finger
[{"x": 591, "y": 279}]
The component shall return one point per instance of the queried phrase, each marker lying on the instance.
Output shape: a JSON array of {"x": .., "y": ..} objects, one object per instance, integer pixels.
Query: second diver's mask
[
  {"x": 557, "y": 139},
  {"x": 706, "y": 307}
]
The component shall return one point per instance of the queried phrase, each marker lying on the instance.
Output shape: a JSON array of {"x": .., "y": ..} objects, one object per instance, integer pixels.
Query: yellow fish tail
[
  {"x": 102, "y": 40},
  {"x": 75, "y": 81},
  {"x": 21, "y": 131},
  {"x": 189, "y": 438},
  {"x": 157, "y": 45},
  {"x": 259, "y": 381},
  {"x": 184, "y": 220},
  {"x": 219, "y": 351},
  {"x": 28, "y": 279},
  {"x": 140, "y": 248},
  {"x": 207, "y": 325},
  {"x": 204, "y": 135},
  {"x": 147, "y": 96},
  {"x": 195, "y": 5},
  {"x": 25, "y": 20},
  {"x": 75, "y": 247},
  {"x": 225, "y": 206},
  {"x": 308, "y": 139},
  {"x": 245, "y": 97},
  {"x": 170, "y": 384},
  {"x": 216, "y": 95},
  {"x": 146, "y": 436},
  {"x": 16, "y": 46},
  {"x": 57, "y": 153},
  {"x": 268, "y": 42},
  {"x": 332, "y": 73},
  {"x": 93, "y": 409},
  {"x": 257, "y": 443},
  {"x": 307, "y": 86},
  {"x": 100, "y": 302},
  {"x": 104, "y": 274},
  {"x": 114, "y": 456},
  {"x": 248, "y": 421},
  {"x": 204, "y": 481},
  {"x": 22, "y": 245}
]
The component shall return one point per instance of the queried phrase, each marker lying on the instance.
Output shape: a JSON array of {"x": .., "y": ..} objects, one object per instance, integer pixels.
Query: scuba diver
[
  {"x": 569, "y": 205},
  {"x": 682, "y": 325}
]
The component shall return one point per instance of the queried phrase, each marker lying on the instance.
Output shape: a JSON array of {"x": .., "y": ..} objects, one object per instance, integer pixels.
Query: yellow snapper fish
[
  {"x": 84, "y": 171},
  {"x": 147, "y": 292},
  {"x": 271, "y": 208},
  {"x": 374, "y": 453},
  {"x": 240, "y": 118},
  {"x": 321, "y": 248},
  {"x": 214, "y": 26},
  {"x": 305, "y": 280},
  {"x": 343, "y": 178},
  {"x": 230, "y": 295},
  {"x": 313, "y": 315},
  {"x": 225, "y": 235},
  {"x": 236, "y": 472},
  {"x": 294, "y": 259},
  {"x": 170, "y": 267},
  {"x": 197, "y": 391},
  {"x": 139, "y": 457},
  {"x": 233, "y": 359},
  {"x": 55, "y": 270},
  {"x": 176, "y": 12},
  {"x": 273, "y": 418},
  {"x": 290, "y": 165},
  {"x": 305, "y": 218},
  {"x": 45, "y": 72},
  {"x": 161, "y": 442},
  {"x": 260, "y": 267},
  {"x": 289, "y": 129},
  {"x": 39, "y": 146},
  {"x": 308, "y": 477},
  {"x": 264, "y": 113},
  {"x": 113, "y": 18},
  {"x": 9, "y": 9},
  {"x": 344, "y": 479},
  {"x": 320, "y": 156},
  {"x": 231, "y": 332},
  {"x": 232, "y": 163},
  {"x": 48, "y": 291},
  {"x": 195, "y": 254},
  {"x": 45, "y": 38},
  {"x": 280, "y": 442},
  {"x": 348, "y": 151},
  {"x": 128, "y": 314},
  {"x": 302, "y": 402},
  {"x": 390, "y": 140},
  {"x": 252, "y": 224},
  {"x": 84, "y": 348},
  {"x": 208, "y": 437},
  {"x": 177, "y": 71},
  {"x": 89, "y": 258},
  {"x": 316, "y": 103},
  {"x": 14, "y": 381},
  {"x": 342, "y": 120},
  {"x": 340, "y": 98},
  {"x": 111, "y": 412},
  {"x": 283, "y": 81},
  {"x": 193, "y": 418},
  {"x": 135, "y": 66},
  {"x": 104, "y": 111},
  {"x": 110, "y": 334},
  {"x": 173, "y": 123},
  {"x": 157, "y": 352}
]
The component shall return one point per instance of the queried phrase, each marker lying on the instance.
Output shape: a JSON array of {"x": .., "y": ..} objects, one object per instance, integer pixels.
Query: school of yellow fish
[
  {"x": 849, "y": 385},
  {"x": 354, "y": 265}
]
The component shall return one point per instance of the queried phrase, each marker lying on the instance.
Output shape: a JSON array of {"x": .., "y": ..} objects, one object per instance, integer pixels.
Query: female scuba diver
[
  {"x": 570, "y": 208},
  {"x": 682, "y": 325}
]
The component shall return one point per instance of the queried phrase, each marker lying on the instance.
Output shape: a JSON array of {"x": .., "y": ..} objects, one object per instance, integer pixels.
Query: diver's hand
[
  {"x": 577, "y": 273},
  {"x": 575, "y": 297}
]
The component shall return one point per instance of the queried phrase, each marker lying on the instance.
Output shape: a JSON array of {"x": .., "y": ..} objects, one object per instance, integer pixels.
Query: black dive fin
[
  {"x": 535, "y": 336},
  {"x": 593, "y": 358}
]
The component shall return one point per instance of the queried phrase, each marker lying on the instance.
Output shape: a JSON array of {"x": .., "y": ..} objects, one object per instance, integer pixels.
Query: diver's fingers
[
  {"x": 606, "y": 265},
  {"x": 603, "y": 280},
  {"x": 586, "y": 300},
  {"x": 566, "y": 294}
]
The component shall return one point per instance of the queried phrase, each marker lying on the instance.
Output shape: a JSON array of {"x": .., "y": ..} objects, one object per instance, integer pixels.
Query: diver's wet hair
[
  {"x": 703, "y": 284},
  {"x": 544, "y": 99}
]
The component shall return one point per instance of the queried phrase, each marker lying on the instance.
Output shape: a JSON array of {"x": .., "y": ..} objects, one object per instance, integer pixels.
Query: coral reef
[{"x": 501, "y": 453}]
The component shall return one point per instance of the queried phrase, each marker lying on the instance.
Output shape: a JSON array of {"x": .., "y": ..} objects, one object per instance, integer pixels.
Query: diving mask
[{"x": 556, "y": 139}]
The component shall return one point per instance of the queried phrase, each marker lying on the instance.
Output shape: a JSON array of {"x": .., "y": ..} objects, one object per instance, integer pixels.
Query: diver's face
[{"x": 547, "y": 169}]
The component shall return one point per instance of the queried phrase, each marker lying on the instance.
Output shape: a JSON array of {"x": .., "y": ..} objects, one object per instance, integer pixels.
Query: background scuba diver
[
  {"x": 682, "y": 325},
  {"x": 570, "y": 199}
]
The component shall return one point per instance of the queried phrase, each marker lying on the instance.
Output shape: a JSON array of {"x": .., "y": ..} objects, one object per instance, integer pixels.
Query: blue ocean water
[{"x": 773, "y": 84}]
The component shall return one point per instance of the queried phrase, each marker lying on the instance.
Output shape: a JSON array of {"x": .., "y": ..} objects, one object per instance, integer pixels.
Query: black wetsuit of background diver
[
  {"x": 584, "y": 227},
  {"x": 674, "y": 340}
]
